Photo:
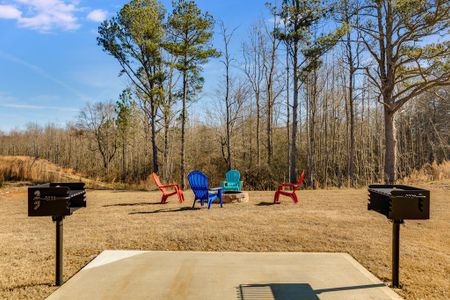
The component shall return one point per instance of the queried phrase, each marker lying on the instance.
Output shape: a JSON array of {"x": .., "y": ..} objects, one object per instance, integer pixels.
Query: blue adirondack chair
[
  {"x": 232, "y": 182},
  {"x": 199, "y": 185}
]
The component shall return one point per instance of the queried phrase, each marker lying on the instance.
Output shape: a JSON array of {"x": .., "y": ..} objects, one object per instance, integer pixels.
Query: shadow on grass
[
  {"x": 125, "y": 190},
  {"x": 166, "y": 210},
  {"x": 135, "y": 204},
  {"x": 30, "y": 285},
  {"x": 267, "y": 203}
]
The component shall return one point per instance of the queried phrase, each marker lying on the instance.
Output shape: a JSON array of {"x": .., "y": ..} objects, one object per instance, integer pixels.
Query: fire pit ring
[{"x": 235, "y": 197}]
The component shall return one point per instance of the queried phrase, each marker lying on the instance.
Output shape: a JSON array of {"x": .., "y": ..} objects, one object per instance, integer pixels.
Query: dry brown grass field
[
  {"x": 324, "y": 220},
  {"x": 26, "y": 168}
]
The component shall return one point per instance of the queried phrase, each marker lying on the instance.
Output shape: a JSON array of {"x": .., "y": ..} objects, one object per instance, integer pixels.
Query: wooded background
[{"x": 296, "y": 98}]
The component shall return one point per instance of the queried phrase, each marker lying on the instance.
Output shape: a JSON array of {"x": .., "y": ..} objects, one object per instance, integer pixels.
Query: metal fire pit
[
  {"x": 56, "y": 200},
  {"x": 399, "y": 203}
]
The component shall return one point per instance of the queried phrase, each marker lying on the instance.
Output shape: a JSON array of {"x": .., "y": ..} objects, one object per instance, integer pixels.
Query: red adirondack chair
[
  {"x": 167, "y": 194},
  {"x": 289, "y": 193}
]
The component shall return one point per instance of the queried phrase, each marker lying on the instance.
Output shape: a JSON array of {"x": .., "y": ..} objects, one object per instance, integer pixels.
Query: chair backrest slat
[
  {"x": 233, "y": 176},
  {"x": 199, "y": 184},
  {"x": 158, "y": 182},
  {"x": 302, "y": 177}
]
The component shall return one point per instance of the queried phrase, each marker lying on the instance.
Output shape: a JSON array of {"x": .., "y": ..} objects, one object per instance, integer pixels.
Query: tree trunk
[
  {"x": 166, "y": 146},
  {"x": 183, "y": 133},
  {"x": 312, "y": 129},
  {"x": 154, "y": 144},
  {"x": 258, "y": 121},
  {"x": 228, "y": 138},
  {"x": 227, "y": 102},
  {"x": 293, "y": 177},
  {"x": 351, "y": 75},
  {"x": 309, "y": 139},
  {"x": 352, "y": 139},
  {"x": 288, "y": 119},
  {"x": 269, "y": 125},
  {"x": 124, "y": 168},
  {"x": 390, "y": 157},
  {"x": 325, "y": 109},
  {"x": 270, "y": 100}
]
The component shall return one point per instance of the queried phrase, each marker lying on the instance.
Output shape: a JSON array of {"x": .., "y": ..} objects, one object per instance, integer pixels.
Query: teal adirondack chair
[{"x": 232, "y": 182}]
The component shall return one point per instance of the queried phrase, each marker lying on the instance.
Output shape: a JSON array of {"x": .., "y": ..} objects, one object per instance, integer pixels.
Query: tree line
[{"x": 323, "y": 86}]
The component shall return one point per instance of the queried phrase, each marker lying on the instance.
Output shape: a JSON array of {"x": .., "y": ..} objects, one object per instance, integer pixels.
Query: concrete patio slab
[{"x": 223, "y": 275}]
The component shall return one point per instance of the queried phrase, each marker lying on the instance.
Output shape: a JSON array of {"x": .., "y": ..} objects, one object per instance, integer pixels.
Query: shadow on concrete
[
  {"x": 135, "y": 204},
  {"x": 166, "y": 210},
  {"x": 290, "y": 291},
  {"x": 346, "y": 288},
  {"x": 266, "y": 203}
]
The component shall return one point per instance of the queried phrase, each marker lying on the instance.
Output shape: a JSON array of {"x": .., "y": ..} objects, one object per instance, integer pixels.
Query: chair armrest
[
  {"x": 287, "y": 185},
  {"x": 215, "y": 189},
  {"x": 224, "y": 183},
  {"x": 169, "y": 185},
  {"x": 284, "y": 185}
]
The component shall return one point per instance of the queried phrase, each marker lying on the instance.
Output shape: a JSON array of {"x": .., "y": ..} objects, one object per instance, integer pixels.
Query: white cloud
[
  {"x": 97, "y": 15},
  {"x": 9, "y": 12},
  {"x": 43, "y": 15}
]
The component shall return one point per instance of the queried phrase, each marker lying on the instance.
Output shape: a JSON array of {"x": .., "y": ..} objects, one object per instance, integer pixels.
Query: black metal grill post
[
  {"x": 56, "y": 200},
  {"x": 396, "y": 252},
  {"x": 59, "y": 250},
  {"x": 399, "y": 203}
]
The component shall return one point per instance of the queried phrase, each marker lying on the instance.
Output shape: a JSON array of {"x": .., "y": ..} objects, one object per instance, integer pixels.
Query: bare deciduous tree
[{"x": 99, "y": 120}]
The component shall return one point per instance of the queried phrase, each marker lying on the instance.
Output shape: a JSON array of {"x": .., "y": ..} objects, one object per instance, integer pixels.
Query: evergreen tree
[
  {"x": 299, "y": 18},
  {"x": 191, "y": 32},
  {"x": 134, "y": 37}
]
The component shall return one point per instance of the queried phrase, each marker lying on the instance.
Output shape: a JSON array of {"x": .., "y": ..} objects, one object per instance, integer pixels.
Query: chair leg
[
  {"x": 180, "y": 196},
  {"x": 276, "y": 198},
  {"x": 294, "y": 198},
  {"x": 219, "y": 195},
  {"x": 164, "y": 199},
  {"x": 209, "y": 203},
  {"x": 193, "y": 204}
]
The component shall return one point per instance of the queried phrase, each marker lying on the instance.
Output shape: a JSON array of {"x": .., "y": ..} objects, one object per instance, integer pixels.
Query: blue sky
[{"x": 51, "y": 66}]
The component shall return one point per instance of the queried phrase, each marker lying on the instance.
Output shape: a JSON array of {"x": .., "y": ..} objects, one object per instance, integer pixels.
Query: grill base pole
[
  {"x": 59, "y": 250},
  {"x": 396, "y": 252}
]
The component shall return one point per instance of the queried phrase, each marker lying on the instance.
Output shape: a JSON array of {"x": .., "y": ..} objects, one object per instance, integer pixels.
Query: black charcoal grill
[
  {"x": 56, "y": 200},
  {"x": 399, "y": 203}
]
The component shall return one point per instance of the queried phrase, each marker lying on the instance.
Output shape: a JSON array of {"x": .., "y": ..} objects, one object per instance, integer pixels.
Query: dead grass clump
[
  {"x": 25, "y": 168},
  {"x": 30, "y": 169},
  {"x": 430, "y": 172}
]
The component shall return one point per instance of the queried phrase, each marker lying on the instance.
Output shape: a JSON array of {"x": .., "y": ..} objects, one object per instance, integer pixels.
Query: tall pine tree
[
  {"x": 192, "y": 33},
  {"x": 134, "y": 38}
]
